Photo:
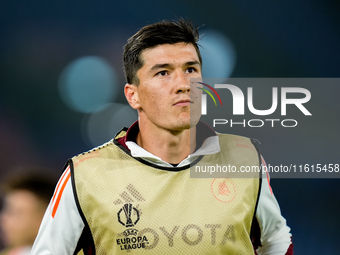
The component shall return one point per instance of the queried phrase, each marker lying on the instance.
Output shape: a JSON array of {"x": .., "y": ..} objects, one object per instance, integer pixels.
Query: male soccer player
[
  {"x": 26, "y": 196},
  {"x": 134, "y": 193}
]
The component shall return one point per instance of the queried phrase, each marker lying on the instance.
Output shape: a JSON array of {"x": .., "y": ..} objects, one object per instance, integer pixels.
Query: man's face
[
  {"x": 164, "y": 96},
  {"x": 20, "y": 218}
]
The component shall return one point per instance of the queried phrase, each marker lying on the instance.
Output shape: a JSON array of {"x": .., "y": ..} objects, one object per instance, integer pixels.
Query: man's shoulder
[
  {"x": 105, "y": 148},
  {"x": 232, "y": 137},
  {"x": 101, "y": 151},
  {"x": 236, "y": 141}
]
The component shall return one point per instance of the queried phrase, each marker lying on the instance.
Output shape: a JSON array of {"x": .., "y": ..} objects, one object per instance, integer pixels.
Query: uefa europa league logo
[{"x": 130, "y": 220}]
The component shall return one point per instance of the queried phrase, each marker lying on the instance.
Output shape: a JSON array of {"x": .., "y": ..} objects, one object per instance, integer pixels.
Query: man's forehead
[{"x": 168, "y": 50}]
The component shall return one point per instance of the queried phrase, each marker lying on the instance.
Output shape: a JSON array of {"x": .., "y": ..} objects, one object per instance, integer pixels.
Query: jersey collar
[{"x": 206, "y": 139}]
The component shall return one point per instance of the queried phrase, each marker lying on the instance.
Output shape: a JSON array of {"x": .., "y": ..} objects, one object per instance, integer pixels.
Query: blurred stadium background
[{"x": 61, "y": 89}]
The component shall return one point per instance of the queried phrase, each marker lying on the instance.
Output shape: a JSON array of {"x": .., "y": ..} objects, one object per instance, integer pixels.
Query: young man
[
  {"x": 134, "y": 193},
  {"x": 26, "y": 196}
]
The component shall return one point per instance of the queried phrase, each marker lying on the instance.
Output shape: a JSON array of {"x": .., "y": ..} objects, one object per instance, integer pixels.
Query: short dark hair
[
  {"x": 163, "y": 32},
  {"x": 40, "y": 184}
]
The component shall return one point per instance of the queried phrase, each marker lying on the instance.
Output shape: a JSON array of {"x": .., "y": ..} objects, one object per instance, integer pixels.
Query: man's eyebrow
[
  {"x": 167, "y": 65},
  {"x": 192, "y": 63},
  {"x": 160, "y": 66}
]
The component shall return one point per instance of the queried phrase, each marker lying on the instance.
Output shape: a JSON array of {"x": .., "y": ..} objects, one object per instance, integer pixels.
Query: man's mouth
[{"x": 184, "y": 102}]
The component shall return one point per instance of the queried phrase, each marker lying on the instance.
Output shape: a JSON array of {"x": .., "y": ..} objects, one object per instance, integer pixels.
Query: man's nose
[{"x": 182, "y": 83}]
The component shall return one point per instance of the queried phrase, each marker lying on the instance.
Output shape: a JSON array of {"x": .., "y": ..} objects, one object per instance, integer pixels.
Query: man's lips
[{"x": 184, "y": 102}]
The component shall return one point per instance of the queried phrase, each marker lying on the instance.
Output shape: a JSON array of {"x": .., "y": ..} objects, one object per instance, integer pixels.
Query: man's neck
[{"x": 170, "y": 146}]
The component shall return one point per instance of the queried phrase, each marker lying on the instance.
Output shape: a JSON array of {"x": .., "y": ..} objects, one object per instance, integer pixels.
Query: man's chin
[
  {"x": 179, "y": 125},
  {"x": 182, "y": 126},
  {"x": 187, "y": 124},
  {"x": 183, "y": 122}
]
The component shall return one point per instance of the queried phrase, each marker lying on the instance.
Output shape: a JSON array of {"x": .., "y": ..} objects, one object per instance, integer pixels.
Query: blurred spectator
[{"x": 25, "y": 199}]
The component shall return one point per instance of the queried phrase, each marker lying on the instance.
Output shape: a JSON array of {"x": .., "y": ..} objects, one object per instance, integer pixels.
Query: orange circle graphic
[{"x": 223, "y": 190}]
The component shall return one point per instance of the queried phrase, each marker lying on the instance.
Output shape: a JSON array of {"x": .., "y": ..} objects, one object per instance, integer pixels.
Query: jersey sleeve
[
  {"x": 275, "y": 237},
  {"x": 62, "y": 226}
]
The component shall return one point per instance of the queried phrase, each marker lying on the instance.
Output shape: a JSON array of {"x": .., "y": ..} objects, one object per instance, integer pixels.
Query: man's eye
[
  {"x": 162, "y": 73},
  {"x": 191, "y": 70}
]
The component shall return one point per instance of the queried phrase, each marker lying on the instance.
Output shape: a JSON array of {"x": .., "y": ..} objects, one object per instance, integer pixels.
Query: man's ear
[{"x": 131, "y": 94}]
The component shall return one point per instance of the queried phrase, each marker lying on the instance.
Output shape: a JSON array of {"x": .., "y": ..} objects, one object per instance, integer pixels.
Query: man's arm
[
  {"x": 275, "y": 235},
  {"x": 62, "y": 226}
]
